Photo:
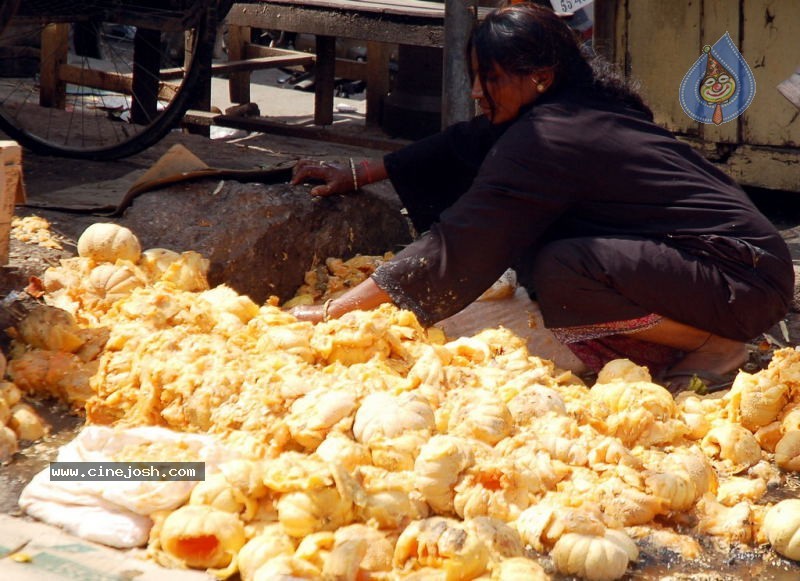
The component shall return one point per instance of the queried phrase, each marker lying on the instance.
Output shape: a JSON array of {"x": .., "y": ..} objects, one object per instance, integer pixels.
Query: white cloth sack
[{"x": 115, "y": 513}]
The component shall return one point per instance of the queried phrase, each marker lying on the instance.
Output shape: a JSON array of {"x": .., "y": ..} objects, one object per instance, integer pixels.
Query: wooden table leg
[
  {"x": 55, "y": 46},
  {"x": 201, "y": 100},
  {"x": 239, "y": 82},
  {"x": 324, "y": 77},
  {"x": 146, "y": 67},
  {"x": 378, "y": 55}
]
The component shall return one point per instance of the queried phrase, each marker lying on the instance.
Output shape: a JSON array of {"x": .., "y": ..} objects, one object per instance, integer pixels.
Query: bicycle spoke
[{"x": 90, "y": 113}]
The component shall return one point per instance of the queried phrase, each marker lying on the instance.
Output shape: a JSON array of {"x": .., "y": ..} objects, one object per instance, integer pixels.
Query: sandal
[{"x": 699, "y": 381}]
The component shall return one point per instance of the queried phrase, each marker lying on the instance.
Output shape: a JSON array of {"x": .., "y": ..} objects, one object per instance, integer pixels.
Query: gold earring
[{"x": 540, "y": 88}]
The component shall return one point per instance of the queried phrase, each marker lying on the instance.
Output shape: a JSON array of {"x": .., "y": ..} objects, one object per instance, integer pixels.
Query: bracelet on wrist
[
  {"x": 326, "y": 307},
  {"x": 355, "y": 177}
]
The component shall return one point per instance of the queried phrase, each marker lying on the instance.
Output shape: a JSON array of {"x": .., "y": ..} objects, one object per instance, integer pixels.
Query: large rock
[
  {"x": 796, "y": 297},
  {"x": 261, "y": 239}
]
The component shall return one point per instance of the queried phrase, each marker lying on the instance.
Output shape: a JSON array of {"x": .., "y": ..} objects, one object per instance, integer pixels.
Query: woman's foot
[
  {"x": 715, "y": 364},
  {"x": 706, "y": 354}
]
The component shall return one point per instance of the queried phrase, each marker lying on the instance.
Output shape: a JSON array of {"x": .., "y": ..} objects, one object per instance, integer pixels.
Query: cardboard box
[
  {"x": 11, "y": 159},
  {"x": 12, "y": 191}
]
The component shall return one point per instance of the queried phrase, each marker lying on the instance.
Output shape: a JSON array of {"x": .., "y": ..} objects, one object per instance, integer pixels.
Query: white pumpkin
[
  {"x": 271, "y": 542},
  {"x": 438, "y": 467},
  {"x": 782, "y": 526},
  {"x": 115, "y": 281},
  {"x": 595, "y": 558},
  {"x": 675, "y": 489},
  {"x": 382, "y": 414},
  {"x": 623, "y": 370},
  {"x": 217, "y": 492},
  {"x": 107, "y": 242},
  {"x": 303, "y": 513},
  {"x": 479, "y": 414}
]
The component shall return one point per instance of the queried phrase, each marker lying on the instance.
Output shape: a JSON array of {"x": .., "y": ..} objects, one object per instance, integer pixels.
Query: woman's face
[{"x": 508, "y": 92}]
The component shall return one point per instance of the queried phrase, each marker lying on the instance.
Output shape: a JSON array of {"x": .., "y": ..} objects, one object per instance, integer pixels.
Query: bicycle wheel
[{"x": 101, "y": 79}]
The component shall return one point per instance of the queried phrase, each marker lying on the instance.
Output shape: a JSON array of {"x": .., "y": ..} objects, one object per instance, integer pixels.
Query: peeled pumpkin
[
  {"x": 155, "y": 261},
  {"x": 202, "y": 537},
  {"x": 9, "y": 393},
  {"x": 755, "y": 402},
  {"x": 26, "y": 423},
  {"x": 189, "y": 272},
  {"x": 733, "y": 445},
  {"x": 519, "y": 568},
  {"x": 50, "y": 328},
  {"x": 787, "y": 451},
  {"x": 8, "y": 444},
  {"x": 443, "y": 543},
  {"x": 107, "y": 242}
]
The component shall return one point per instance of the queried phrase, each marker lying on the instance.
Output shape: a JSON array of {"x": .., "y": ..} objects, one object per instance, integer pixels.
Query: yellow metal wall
[
  {"x": 771, "y": 46},
  {"x": 658, "y": 41}
]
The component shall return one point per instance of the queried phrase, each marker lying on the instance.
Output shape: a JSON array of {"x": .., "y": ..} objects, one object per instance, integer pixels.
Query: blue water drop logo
[{"x": 719, "y": 86}]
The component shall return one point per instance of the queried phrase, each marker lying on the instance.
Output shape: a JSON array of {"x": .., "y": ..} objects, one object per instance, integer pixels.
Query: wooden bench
[
  {"x": 380, "y": 23},
  {"x": 56, "y": 72}
]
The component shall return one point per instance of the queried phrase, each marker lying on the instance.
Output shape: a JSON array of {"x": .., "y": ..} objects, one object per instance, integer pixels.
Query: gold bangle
[
  {"x": 355, "y": 177},
  {"x": 325, "y": 308}
]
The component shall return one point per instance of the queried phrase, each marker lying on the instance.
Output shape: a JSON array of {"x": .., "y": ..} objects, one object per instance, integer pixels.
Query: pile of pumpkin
[
  {"x": 18, "y": 419},
  {"x": 372, "y": 448}
]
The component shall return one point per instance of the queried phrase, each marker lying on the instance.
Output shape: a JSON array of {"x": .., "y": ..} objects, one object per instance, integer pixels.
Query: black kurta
[{"x": 578, "y": 168}]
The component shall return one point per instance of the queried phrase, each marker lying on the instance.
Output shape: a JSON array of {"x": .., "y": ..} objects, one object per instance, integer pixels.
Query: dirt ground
[{"x": 49, "y": 180}]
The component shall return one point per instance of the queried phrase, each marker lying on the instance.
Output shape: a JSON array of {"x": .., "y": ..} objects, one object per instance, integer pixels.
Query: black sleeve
[
  {"x": 431, "y": 174},
  {"x": 514, "y": 199}
]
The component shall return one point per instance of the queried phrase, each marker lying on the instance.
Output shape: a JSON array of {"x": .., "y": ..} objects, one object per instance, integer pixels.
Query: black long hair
[{"x": 524, "y": 38}]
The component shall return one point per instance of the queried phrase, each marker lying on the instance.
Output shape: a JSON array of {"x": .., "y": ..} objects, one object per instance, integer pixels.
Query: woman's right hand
[{"x": 337, "y": 178}]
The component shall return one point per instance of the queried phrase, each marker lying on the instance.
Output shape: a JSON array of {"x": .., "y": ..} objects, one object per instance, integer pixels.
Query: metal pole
[{"x": 457, "y": 105}]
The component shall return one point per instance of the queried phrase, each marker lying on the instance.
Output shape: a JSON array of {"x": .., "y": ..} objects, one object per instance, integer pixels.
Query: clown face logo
[{"x": 719, "y": 86}]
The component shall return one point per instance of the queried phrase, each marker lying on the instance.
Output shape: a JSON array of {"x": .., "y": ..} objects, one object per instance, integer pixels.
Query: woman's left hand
[
  {"x": 311, "y": 313},
  {"x": 338, "y": 179}
]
